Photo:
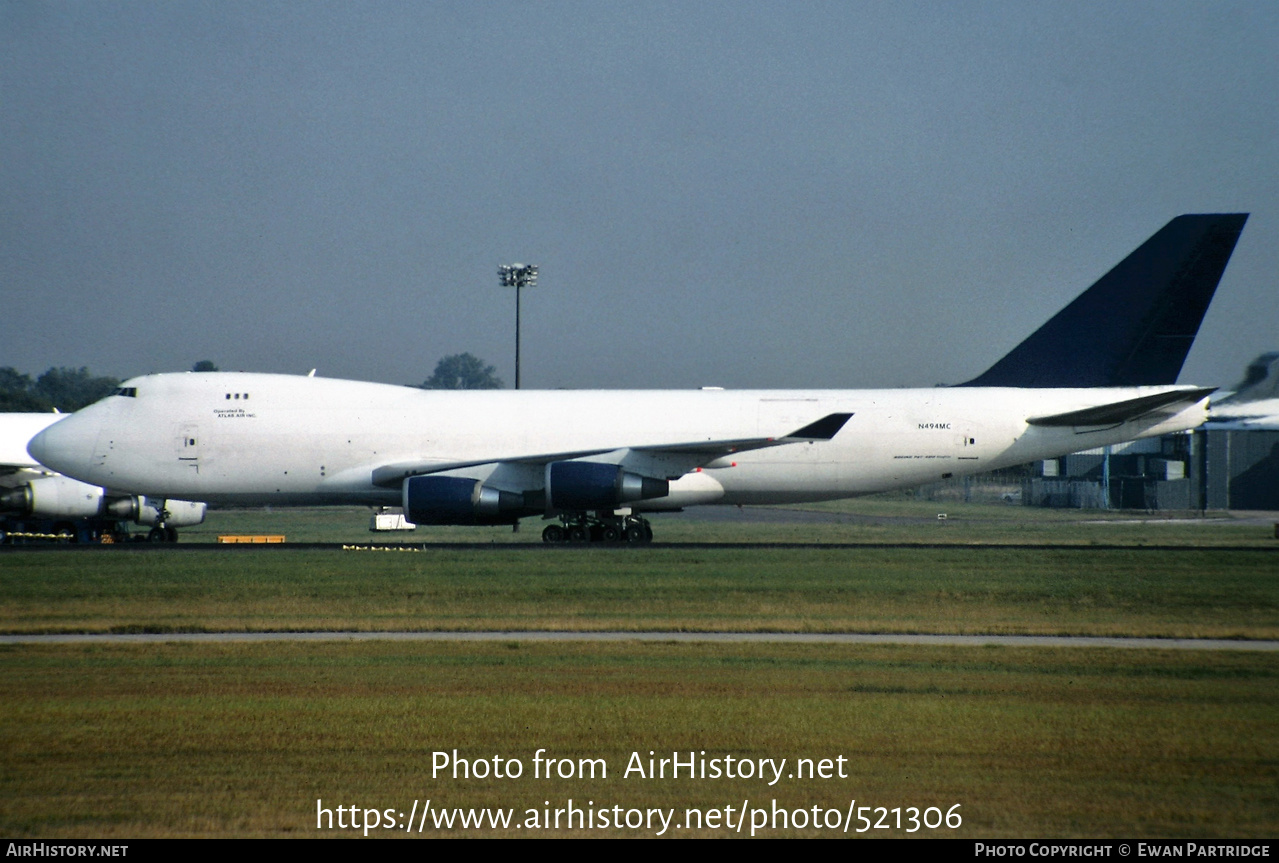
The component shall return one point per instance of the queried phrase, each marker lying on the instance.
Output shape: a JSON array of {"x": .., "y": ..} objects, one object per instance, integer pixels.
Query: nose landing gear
[{"x": 162, "y": 532}]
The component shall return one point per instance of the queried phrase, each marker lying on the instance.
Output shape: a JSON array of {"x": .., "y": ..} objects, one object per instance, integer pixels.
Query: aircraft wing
[
  {"x": 16, "y": 430},
  {"x": 17, "y": 467},
  {"x": 1124, "y": 411},
  {"x": 679, "y": 457}
]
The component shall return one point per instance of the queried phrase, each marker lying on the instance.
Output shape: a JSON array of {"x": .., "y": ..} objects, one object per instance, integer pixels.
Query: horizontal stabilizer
[
  {"x": 1136, "y": 324},
  {"x": 1124, "y": 411}
]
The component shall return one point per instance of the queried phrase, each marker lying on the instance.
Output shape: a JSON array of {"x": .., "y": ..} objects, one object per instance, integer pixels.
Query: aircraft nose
[{"x": 66, "y": 446}]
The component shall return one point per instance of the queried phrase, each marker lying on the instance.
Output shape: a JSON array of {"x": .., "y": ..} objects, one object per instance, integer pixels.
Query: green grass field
[
  {"x": 215, "y": 740},
  {"x": 120, "y": 741},
  {"x": 1223, "y": 593}
]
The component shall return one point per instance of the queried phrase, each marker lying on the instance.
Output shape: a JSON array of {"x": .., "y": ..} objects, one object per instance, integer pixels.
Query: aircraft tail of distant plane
[
  {"x": 1136, "y": 324},
  {"x": 1260, "y": 381}
]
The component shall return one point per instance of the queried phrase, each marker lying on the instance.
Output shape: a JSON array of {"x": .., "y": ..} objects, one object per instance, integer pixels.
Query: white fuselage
[{"x": 251, "y": 439}]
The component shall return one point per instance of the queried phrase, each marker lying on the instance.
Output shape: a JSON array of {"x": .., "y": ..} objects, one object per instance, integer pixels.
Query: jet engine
[
  {"x": 54, "y": 497},
  {"x": 141, "y": 509},
  {"x": 583, "y": 485},
  {"x": 62, "y": 497},
  {"x": 458, "y": 500}
]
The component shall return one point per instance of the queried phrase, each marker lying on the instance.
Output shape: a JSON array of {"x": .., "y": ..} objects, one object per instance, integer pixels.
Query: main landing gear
[{"x": 581, "y": 527}]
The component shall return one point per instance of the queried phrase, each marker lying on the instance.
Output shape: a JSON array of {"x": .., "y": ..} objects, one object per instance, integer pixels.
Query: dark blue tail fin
[{"x": 1135, "y": 326}]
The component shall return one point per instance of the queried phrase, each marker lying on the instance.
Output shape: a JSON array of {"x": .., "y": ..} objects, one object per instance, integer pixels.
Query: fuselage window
[{"x": 127, "y": 392}]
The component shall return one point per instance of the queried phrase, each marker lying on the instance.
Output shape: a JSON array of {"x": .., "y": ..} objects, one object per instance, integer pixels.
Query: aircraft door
[
  {"x": 966, "y": 441},
  {"x": 187, "y": 444}
]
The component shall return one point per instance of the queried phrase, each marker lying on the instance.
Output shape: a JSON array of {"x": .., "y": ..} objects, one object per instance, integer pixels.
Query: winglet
[
  {"x": 1136, "y": 324},
  {"x": 824, "y": 429}
]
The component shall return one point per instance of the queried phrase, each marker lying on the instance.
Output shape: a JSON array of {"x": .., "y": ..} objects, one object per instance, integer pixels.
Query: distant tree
[
  {"x": 16, "y": 394},
  {"x": 72, "y": 389},
  {"x": 204, "y": 366},
  {"x": 25, "y": 403},
  {"x": 463, "y": 372},
  {"x": 12, "y": 380}
]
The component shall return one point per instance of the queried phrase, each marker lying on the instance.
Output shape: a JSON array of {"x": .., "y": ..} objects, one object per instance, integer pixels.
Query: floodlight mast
[{"x": 517, "y": 276}]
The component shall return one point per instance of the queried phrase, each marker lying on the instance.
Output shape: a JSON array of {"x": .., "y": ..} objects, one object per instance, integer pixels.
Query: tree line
[
  {"x": 69, "y": 389},
  {"x": 58, "y": 388}
]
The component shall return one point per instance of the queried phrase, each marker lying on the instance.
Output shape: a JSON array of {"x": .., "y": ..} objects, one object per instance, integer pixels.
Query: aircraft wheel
[
  {"x": 635, "y": 534},
  {"x": 577, "y": 533},
  {"x": 157, "y": 535},
  {"x": 610, "y": 534},
  {"x": 553, "y": 533},
  {"x": 648, "y": 532},
  {"x": 170, "y": 534}
]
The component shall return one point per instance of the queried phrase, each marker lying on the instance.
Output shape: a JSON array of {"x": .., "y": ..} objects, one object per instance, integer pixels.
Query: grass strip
[
  {"x": 241, "y": 740},
  {"x": 1219, "y": 593}
]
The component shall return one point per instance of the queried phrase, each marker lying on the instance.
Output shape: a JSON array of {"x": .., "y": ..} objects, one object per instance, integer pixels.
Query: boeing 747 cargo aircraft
[{"x": 1103, "y": 370}]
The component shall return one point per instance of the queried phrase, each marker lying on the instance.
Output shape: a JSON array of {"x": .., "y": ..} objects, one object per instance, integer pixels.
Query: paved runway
[{"x": 693, "y": 637}]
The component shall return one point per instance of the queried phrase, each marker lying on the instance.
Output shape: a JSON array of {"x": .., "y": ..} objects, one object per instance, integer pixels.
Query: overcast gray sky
[{"x": 744, "y": 194}]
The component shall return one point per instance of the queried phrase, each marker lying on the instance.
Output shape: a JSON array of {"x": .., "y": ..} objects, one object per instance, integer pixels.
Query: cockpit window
[{"x": 127, "y": 392}]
